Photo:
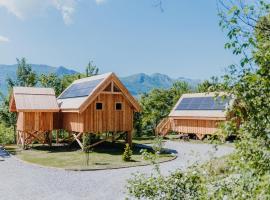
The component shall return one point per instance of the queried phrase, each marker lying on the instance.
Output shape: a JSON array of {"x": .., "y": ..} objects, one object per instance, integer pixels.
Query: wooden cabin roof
[
  {"x": 202, "y": 106},
  {"x": 83, "y": 92},
  {"x": 30, "y": 99}
]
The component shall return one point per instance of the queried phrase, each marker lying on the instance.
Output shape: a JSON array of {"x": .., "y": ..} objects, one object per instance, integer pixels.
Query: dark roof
[
  {"x": 203, "y": 103},
  {"x": 80, "y": 89}
]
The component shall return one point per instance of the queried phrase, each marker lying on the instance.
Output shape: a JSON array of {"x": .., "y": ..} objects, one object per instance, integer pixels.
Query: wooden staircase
[{"x": 164, "y": 127}]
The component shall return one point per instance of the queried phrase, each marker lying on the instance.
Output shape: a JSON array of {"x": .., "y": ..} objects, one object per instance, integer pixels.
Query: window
[
  {"x": 116, "y": 89},
  {"x": 118, "y": 106},
  {"x": 99, "y": 106}
]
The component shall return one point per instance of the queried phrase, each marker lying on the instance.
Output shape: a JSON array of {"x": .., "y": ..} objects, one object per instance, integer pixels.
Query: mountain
[
  {"x": 137, "y": 83},
  {"x": 143, "y": 83},
  {"x": 9, "y": 71}
]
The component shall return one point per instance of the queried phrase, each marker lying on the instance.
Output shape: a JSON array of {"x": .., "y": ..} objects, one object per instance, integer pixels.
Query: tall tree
[
  {"x": 91, "y": 69},
  {"x": 25, "y": 75}
]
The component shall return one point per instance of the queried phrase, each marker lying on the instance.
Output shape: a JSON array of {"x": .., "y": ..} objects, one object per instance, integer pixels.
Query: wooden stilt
[
  {"x": 57, "y": 136},
  {"x": 76, "y": 137},
  {"x": 129, "y": 138}
]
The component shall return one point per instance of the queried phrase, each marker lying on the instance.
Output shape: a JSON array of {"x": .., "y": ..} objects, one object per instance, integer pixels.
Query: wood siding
[
  {"x": 195, "y": 126},
  {"x": 108, "y": 119},
  {"x": 35, "y": 121},
  {"x": 72, "y": 122}
]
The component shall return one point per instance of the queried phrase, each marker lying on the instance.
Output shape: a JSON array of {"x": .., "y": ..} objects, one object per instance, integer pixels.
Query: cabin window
[
  {"x": 118, "y": 106},
  {"x": 99, "y": 106},
  {"x": 116, "y": 89}
]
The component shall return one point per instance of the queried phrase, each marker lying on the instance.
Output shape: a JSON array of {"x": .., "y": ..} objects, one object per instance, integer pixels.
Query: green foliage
[
  {"x": 52, "y": 81},
  {"x": 6, "y": 134},
  {"x": 25, "y": 75},
  {"x": 91, "y": 69},
  {"x": 158, "y": 145},
  {"x": 157, "y": 104},
  {"x": 208, "y": 85},
  {"x": 178, "y": 185},
  {"x": 127, "y": 155}
]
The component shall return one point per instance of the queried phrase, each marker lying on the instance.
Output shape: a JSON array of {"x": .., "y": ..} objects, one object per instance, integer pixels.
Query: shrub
[
  {"x": 6, "y": 134},
  {"x": 127, "y": 153},
  {"x": 158, "y": 145}
]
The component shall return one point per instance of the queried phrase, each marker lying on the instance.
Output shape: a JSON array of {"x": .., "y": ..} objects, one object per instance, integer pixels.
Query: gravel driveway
[{"x": 22, "y": 181}]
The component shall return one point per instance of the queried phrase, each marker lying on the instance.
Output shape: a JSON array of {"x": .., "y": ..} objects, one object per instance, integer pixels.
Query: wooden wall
[
  {"x": 106, "y": 120},
  {"x": 72, "y": 122},
  {"x": 195, "y": 126},
  {"x": 35, "y": 121}
]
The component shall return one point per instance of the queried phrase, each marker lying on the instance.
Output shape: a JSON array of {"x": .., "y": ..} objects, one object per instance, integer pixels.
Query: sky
[{"x": 122, "y": 36}]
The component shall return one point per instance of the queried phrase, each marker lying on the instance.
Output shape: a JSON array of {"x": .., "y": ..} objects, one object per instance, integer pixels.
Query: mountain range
[{"x": 137, "y": 83}]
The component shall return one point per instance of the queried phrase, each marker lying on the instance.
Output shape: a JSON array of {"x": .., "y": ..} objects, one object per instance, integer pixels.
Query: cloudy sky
[{"x": 124, "y": 36}]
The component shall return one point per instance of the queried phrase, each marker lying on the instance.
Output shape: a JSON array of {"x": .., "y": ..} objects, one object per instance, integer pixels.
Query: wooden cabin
[
  {"x": 197, "y": 113},
  {"x": 34, "y": 108},
  {"x": 96, "y": 105}
]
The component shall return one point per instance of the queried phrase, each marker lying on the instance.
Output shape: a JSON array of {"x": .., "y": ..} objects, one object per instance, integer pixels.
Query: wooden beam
[{"x": 76, "y": 137}]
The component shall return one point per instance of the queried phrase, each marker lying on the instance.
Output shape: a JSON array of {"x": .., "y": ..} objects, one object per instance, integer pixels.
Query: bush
[
  {"x": 6, "y": 134},
  {"x": 177, "y": 185},
  {"x": 158, "y": 145},
  {"x": 127, "y": 153}
]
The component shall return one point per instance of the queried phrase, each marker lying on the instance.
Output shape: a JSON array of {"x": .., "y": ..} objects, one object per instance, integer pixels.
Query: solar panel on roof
[
  {"x": 80, "y": 89},
  {"x": 203, "y": 103}
]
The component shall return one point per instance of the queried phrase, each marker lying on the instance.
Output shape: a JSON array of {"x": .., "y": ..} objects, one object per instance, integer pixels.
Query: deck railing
[{"x": 163, "y": 127}]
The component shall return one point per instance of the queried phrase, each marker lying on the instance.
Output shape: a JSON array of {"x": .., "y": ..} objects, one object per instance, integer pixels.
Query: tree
[
  {"x": 158, "y": 103},
  {"x": 26, "y": 77},
  {"x": 52, "y": 81},
  {"x": 91, "y": 69}
]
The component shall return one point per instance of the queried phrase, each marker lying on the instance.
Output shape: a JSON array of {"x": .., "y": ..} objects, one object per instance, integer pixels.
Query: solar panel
[
  {"x": 80, "y": 89},
  {"x": 203, "y": 103}
]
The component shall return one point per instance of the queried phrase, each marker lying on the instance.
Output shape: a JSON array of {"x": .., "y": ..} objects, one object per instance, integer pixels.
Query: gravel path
[{"x": 22, "y": 181}]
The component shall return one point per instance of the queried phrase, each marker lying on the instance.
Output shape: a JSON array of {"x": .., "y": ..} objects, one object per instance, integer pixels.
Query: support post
[
  {"x": 129, "y": 138},
  {"x": 57, "y": 136}
]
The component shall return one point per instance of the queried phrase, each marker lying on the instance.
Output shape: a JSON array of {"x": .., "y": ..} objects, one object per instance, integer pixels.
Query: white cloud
[
  {"x": 100, "y": 1},
  {"x": 3, "y": 39},
  {"x": 23, "y": 8}
]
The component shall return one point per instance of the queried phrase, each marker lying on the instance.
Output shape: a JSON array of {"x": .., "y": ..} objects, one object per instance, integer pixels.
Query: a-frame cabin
[{"x": 96, "y": 105}]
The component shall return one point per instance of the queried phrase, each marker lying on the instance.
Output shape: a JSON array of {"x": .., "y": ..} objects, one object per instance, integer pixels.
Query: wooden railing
[{"x": 163, "y": 127}]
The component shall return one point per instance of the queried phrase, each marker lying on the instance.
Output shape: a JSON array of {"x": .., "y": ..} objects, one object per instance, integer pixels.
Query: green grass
[{"x": 103, "y": 156}]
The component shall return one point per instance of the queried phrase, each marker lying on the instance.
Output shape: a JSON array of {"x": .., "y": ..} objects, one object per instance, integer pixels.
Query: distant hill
[
  {"x": 137, "y": 83},
  {"x": 143, "y": 83},
  {"x": 10, "y": 71}
]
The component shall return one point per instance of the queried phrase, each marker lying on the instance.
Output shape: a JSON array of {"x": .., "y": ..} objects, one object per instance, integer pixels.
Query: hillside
[{"x": 137, "y": 83}]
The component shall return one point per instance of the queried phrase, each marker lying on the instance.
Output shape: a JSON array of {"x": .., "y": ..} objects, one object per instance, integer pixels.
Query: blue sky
[{"x": 124, "y": 36}]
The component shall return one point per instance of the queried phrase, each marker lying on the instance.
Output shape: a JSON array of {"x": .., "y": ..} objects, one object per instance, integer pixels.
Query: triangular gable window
[{"x": 116, "y": 89}]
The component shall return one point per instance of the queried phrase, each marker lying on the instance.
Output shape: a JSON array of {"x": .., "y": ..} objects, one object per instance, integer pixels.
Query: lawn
[{"x": 103, "y": 156}]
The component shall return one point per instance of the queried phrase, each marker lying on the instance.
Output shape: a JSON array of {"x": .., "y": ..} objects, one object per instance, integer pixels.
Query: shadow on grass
[{"x": 116, "y": 148}]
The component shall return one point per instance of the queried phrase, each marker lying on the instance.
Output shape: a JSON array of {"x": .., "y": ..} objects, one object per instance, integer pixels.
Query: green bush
[
  {"x": 177, "y": 185},
  {"x": 6, "y": 134},
  {"x": 127, "y": 153}
]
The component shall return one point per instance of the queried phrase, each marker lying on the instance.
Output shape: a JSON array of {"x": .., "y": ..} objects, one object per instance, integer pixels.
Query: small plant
[
  {"x": 127, "y": 153},
  {"x": 158, "y": 145}
]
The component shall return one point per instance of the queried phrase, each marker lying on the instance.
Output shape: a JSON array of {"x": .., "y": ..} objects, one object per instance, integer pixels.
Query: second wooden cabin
[{"x": 198, "y": 113}]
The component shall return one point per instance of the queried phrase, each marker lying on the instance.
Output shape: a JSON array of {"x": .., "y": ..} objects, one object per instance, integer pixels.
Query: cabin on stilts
[
  {"x": 34, "y": 108},
  {"x": 198, "y": 113},
  {"x": 95, "y": 105}
]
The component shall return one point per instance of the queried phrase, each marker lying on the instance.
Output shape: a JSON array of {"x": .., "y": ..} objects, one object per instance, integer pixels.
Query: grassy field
[{"x": 103, "y": 156}]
